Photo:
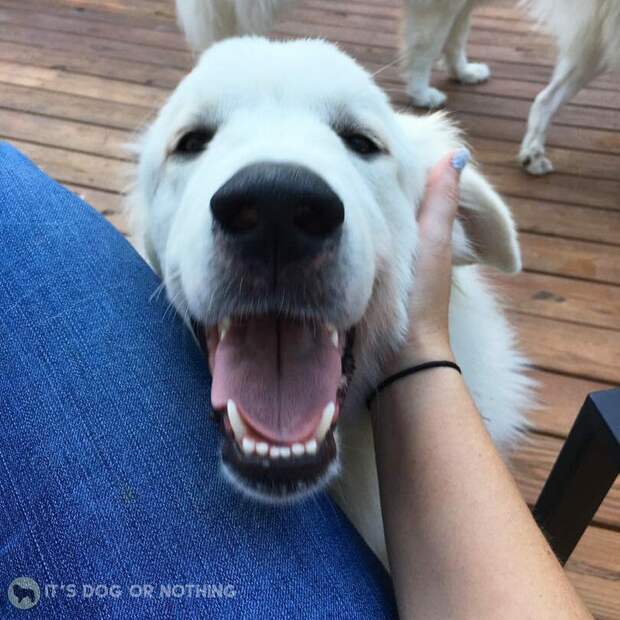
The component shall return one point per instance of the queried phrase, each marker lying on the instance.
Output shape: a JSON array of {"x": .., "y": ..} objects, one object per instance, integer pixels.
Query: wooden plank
[
  {"x": 559, "y": 401},
  {"x": 82, "y": 85},
  {"x": 126, "y": 70},
  {"x": 103, "y": 141},
  {"x": 575, "y": 349},
  {"x": 97, "y": 47},
  {"x": 599, "y": 594},
  {"x": 150, "y": 8},
  {"x": 561, "y": 298},
  {"x": 77, "y": 24},
  {"x": 594, "y": 569},
  {"x": 97, "y": 14},
  {"x": 563, "y": 220},
  {"x": 72, "y": 107},
  {"x": 579, "y": 259},
  {"x": 531, "y": 463},
  {"x": 557, "y": 187}
]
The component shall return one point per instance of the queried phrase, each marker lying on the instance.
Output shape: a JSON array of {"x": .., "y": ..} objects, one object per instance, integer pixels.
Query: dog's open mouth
[{"x": 278, "y": 384}]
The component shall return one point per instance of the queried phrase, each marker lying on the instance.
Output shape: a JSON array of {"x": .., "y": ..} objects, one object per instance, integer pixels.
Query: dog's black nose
[{"x": 278, "y": 210}]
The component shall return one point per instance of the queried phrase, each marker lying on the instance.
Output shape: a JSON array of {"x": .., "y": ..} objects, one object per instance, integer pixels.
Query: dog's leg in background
[
  {"x": 570, "y": 75},
  {"x": 257, "y": 17},
  {"x": 426, "y": 28},
  {"x": 205, "y": 22},
  {"x": 455, "y": 55}
]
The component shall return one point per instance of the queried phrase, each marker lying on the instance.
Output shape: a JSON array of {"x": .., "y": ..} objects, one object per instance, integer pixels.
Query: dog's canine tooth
[
  {"x": 298, "y": 449},
  {"x": 235, "y": 420},
  {"x": 262, "y": 448},
  {"x": 223, "y": 327},
  {"x": 333, "y": 332},
  {"x": 274, "y": 452},
  {"x": 312, "y": 446},
  {"x": 248, "y": 445},
  {"x": 326, "y": 421},
  {"x": 285, "y": 452}
]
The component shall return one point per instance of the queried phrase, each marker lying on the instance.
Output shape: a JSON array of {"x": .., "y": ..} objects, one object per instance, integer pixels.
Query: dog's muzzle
[{"x": 279, "y": 375}]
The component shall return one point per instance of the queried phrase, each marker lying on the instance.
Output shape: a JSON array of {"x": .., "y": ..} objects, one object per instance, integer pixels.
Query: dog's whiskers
[
  {"x": 157, "y": 292},
  {"x": 399, "y": 58}
]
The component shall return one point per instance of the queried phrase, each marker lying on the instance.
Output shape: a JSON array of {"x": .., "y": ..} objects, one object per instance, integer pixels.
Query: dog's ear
[{"x": 484, "y": 231}]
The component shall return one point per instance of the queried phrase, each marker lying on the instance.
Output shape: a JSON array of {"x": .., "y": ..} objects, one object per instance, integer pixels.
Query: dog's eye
[
  {"x": 361, "y": 144},
  {"x": 193, "y": 142}
]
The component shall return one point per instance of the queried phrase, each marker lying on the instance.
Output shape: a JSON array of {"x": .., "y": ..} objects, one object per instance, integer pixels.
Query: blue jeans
[{"x": 111, "y": 498}]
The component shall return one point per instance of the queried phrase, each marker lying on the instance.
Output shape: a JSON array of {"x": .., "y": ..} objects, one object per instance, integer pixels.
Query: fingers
[{"x": 439, "y": 207}]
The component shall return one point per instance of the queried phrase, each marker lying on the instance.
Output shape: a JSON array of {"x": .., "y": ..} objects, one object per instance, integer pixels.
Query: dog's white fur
[
  {"x": 432, "y": 28},
  {"x": 588, "y": 39},
  {"x": 274, "y": 102}
]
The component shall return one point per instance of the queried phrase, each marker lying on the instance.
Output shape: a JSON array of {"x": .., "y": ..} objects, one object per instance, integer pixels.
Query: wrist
[{"x": 419, "y": 352}]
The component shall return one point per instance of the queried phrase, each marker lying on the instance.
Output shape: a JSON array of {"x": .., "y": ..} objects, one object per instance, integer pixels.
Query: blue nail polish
[{"x": 460, "y": 159}]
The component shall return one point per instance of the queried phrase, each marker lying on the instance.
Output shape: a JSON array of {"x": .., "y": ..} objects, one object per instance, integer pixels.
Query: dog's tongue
[{"x": 280, "y": 373}]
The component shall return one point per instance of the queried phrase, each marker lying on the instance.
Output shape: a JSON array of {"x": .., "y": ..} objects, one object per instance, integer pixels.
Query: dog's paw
[
  {"x": 428, "y": 98},
  {"x": 472, "y": 73},
  {"x": 535, "y": 162}
]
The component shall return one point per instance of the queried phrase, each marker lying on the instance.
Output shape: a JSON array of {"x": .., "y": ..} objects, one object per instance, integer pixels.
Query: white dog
[
  {"x": 432, "y": 28},
  {"x": 588, "y": 38},
  {"x": 276, "y": 195}
]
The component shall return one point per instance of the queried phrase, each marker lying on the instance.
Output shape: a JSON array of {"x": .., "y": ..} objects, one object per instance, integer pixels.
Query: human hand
[{"x": 428, "y": 337}]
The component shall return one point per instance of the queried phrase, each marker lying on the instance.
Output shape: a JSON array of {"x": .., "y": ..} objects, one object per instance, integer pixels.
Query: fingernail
[{"x": 460, "y": 159}]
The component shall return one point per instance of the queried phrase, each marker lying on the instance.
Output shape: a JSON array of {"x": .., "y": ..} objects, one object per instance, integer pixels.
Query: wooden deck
[{"x": 78, "y": 77}]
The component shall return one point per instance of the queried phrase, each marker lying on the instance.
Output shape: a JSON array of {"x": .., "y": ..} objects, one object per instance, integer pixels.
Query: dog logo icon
[{"x": 24, "y": 593}]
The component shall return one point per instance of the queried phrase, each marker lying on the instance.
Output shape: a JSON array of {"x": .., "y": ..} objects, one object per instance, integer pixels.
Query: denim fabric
[{"x": 108, "y": 456}]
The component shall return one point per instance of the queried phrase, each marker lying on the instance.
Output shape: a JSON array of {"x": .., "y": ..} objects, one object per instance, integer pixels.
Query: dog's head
[{"x": 277, "y": 192}]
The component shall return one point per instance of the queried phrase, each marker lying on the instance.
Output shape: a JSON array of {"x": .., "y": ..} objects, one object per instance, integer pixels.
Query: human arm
[{"x": 461, "y": 541}]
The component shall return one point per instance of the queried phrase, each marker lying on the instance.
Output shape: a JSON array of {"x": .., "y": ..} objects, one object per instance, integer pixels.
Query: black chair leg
[{"x": 584, "y": 471}]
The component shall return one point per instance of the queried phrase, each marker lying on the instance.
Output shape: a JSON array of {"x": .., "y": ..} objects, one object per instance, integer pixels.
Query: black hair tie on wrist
[{"x": 410, "y": 371}]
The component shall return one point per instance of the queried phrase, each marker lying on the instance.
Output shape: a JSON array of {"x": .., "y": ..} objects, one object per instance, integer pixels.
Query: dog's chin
[
  {"x": 272, "y": 481},
  {"x": 278, "y": 387}
]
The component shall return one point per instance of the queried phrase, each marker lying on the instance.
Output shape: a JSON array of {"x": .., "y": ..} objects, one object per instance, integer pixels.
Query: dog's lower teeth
[
  {"x": 248, "y": 445},
  {"x": 312, "y": 446}
]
